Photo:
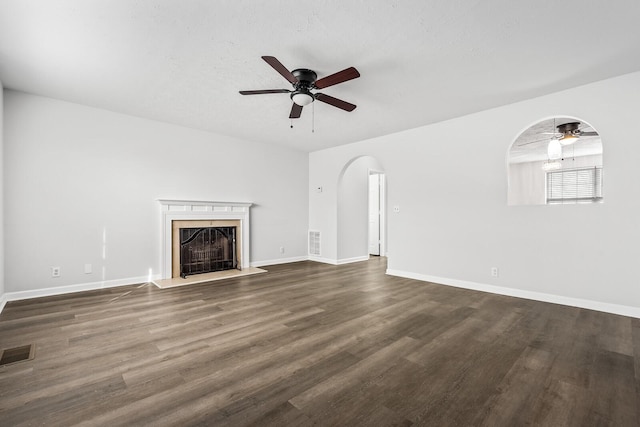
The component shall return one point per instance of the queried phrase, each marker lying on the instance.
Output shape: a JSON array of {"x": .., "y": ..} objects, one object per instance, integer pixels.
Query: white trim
[
  {"x": 323, "y": 260},
  {"x": 279, "y": 261},
  {"x": 185, "y": 204},
  {"x": 338, "y": 261},
  {"x": 623, "y": 310},
  {"x": 3, "y": 301},
  {"x": 352, "y": 260},
  {"x": 383, "y": 209},
  {"x": 383, "y": 214},
  {"x": 186, "y": 210},
  {"x": 81, "y": 287}
]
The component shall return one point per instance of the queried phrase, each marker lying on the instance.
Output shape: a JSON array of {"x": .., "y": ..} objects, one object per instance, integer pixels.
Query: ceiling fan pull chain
[{"x": 313, "y": 117}]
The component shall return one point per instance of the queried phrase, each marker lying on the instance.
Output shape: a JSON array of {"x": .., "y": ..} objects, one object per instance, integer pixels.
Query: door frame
[{"x": 382, "y": 209}]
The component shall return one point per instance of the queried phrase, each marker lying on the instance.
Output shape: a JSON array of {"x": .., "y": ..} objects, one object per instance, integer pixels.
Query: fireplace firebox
[{"x": 207, "y": 249}]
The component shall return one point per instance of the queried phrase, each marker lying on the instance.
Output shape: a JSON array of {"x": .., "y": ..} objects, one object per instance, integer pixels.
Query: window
[{"x": 574, "y": 186}]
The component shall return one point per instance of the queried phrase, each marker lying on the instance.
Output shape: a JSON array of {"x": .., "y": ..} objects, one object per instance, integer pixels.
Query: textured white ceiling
[{"x": 421, "y": 62}]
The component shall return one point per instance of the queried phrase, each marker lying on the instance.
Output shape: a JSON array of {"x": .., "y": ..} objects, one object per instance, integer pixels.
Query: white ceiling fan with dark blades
[{"x": 305, "y": 82}]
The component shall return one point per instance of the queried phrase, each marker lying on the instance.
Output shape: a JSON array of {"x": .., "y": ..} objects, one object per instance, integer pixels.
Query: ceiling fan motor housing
[
  {"x": 302, "y": 93},
  {"x": 569, "y": 128},
  {"x": 306, "y": 78}
]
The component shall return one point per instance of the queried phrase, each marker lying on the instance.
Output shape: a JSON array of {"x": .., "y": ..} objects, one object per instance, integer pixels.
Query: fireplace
[
  {"x": 205, "y": 246},
  {"x": 207, "y": 249},
  {"x": 195, "y": 215}
]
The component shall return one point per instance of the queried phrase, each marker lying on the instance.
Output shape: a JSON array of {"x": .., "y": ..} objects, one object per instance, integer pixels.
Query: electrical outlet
[
  {"x": 494, "y": 271},
  {"x": 281, "y": 249},
  {"x": 55, "y": 271},
  {"x": 88, "y": 269},
  {"x": 396, "y": 209}
]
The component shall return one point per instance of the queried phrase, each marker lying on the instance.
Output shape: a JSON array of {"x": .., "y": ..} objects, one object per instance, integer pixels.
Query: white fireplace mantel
[{"x": 185, "y": 210}]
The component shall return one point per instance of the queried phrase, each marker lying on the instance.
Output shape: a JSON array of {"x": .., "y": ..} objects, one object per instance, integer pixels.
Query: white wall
[
  {"x": 323, "y": 204},
  {"x": 82, "y": 186},
  {"x": 454, "y": 223},
  {"x": 1, "y": 198}
]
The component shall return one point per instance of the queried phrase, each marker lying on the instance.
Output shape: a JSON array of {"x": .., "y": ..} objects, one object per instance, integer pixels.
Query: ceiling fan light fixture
[
  {"x": 302, "y": 97},
  {"x": 554, "y": 149},
  {"x": 570, "y": 132},
  {"x": 568, "y": 139}
]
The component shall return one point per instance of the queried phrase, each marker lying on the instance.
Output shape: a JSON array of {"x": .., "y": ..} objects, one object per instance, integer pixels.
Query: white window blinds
[{"x": 574, "y": 186}]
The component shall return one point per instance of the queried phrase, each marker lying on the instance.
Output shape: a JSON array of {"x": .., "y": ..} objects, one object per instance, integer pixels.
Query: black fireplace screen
[{"x": 203, "y": 250}]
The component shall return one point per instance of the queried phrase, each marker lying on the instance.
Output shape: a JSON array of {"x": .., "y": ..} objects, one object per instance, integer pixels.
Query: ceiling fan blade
[
  {"x": 296, "y": 110},
  {"x": 260, "y": 92},
  {"x": 339, "y": 77},
  {"x": 532, "y": 142},
  {"x": 344, "y": 105},
  {"x": 277, "y": 65},
  {"x": 589, "y": 134}
]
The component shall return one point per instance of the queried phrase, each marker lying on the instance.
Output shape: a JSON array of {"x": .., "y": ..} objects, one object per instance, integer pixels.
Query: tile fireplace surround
[{"x": 193, "y": 210}]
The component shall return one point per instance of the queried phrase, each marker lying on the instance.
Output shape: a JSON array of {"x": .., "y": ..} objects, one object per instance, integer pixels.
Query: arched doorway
[{"x": 359, "y": 217}]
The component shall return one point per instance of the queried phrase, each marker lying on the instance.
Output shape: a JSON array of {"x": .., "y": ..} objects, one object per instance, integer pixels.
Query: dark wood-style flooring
[{"x": 314, "y": 344}]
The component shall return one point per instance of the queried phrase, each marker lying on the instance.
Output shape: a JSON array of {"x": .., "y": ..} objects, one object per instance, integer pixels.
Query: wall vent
[{"x": 314, "y": 243}]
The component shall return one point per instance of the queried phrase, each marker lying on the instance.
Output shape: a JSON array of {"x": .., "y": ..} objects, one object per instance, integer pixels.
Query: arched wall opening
[
  {"x": 557, "y": 160},
  {"x": 353, "y": 208}
]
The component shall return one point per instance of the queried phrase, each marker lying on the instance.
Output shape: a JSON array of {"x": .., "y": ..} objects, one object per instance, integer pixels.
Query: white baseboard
[
  {"x": 338, "y": 261},
  {"x": 279, "y": 261},
  {"x": 352, "y": 260},
  {"x": 622, "y": 310},
  {"x": 323, "y": 260},
  {"x": 3, "y": 301},
  {"x": 37, "y": 293}
]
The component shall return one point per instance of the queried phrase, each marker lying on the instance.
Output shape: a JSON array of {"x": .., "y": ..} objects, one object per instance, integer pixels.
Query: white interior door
[{"x": 374, "y": 214}]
